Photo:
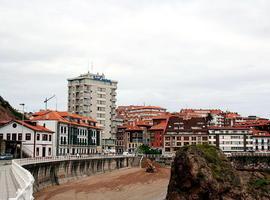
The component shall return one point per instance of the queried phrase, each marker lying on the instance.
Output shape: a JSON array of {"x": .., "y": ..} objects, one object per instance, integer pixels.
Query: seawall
[{"x": 55, "y": 172}]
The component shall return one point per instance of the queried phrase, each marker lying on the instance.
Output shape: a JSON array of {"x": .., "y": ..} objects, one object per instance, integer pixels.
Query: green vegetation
[
  {"x": 258, "y": 183},
  {"x": 144, "y": 149},
  {"x": 220, "y": 167}
]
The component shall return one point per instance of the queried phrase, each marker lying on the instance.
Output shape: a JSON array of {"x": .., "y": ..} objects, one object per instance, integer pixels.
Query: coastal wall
[
  {"x": 56, "y": 172},
  {"x": 251, "y": 162}
]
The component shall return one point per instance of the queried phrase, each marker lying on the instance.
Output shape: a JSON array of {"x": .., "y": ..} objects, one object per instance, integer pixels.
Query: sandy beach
[{"x": 124, "y": 184}]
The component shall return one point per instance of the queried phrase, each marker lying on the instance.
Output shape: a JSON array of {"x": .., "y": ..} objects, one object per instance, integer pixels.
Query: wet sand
[{"x": 124, "y": 184}]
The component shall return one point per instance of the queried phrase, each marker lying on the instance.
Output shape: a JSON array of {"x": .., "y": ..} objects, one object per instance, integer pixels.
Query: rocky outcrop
[
  {"x": 7, "y": 112},
  {"x": 203, "y": 172}
]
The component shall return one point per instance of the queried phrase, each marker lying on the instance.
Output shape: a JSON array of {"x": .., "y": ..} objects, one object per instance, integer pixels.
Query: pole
[{"x": 22, "y": 104}]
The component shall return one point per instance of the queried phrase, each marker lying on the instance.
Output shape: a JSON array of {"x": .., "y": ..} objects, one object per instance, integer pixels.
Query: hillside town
[{"x": 93, "y": 124}]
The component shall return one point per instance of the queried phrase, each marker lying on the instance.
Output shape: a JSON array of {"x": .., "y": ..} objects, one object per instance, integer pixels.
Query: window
[
  {"x": 50, "y": 137},
  {"x": 178, "y": 138},
  {"x": 101, "y": 102},
  {"x": 44, "y": 137},
  {"x": 167, "y": 149},
  {"x": 14, "y": 136},
  {"x": 27, "y": 136},
  {"x": 101, "y": 95},
  {"x": 49, "y": 151},
  {"x": 102, "y": 89},
  {"x": 38, "y": 136},
  {"x": 20, "y": 136},
  {"x": 204, "y": 138},
  {"x": 193, "y": 138},
  {"x": 14, "y": 125},
  {"x": 262, "y": 147},
  {"x": 100, "y": 115},
  {"x": 101, "y": 108},
  {"x": 37, "y": 151},
  {"x": 186, "y": 138},
  {"x": 167, "y": 138},
  {"x": 1, "y": 136},
  {"x": 178, "y": 143},
  {"x": 8, "y": 136}
]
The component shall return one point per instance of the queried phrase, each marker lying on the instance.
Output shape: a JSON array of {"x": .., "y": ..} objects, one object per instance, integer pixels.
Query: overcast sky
[{"x": 175, "y": 54}]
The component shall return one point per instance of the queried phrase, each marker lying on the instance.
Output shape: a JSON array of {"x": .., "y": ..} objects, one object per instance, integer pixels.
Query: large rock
[{"x": 203, "y": 172}]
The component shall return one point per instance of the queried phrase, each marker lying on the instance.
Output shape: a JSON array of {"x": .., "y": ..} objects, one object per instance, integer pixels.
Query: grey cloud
[{"x": 170, "y": 53}]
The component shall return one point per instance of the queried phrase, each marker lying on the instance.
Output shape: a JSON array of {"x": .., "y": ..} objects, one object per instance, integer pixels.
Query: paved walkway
[{"x": 8, "y": 183}]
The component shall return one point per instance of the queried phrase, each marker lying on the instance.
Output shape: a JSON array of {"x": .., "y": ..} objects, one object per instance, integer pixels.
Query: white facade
[
  {"x": 261, "y": 143},
  {"x": 94, "y": 96},
  {"x": 218, "y": 120},
  {"x": 231, "y": 140},
  {"x": 34, "y": 143},
  {"x": 64, "y": 143}
]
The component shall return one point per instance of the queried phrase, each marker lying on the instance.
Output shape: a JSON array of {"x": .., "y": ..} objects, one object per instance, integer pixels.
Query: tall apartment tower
[{"x": 94, "y": 96}]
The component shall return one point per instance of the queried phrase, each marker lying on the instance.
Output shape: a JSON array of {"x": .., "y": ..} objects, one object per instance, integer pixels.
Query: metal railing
[{"x": 26, "y": 161}]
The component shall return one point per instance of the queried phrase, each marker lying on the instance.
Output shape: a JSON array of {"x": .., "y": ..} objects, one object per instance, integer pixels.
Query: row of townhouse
[
  {"x": 130, "y": 137},
  {"x": 133, "y": 114},
  {"x": 53, "y": 133},
  {"x": 177, "y": 131},
  {"x": 169, "y": 132}
]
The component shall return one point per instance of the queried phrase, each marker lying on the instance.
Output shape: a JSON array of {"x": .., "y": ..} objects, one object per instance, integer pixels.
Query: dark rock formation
[{"x": 203, "y": 172}]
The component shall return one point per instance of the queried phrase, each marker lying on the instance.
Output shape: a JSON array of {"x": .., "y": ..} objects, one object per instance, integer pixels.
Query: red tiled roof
[
  {"x": 60, "y": 117},
  {"x": 260, "y": 133},
  {"x": 161, "y": 126},
  {"x": 28, "y": 125},
  {"x": 133, "y": 128},
  {"x": 228, "y": 128},
  {"x": 147, "y": 107},
  {"x": 142, "y": 123},
  {"x": 163, "y": 116}
]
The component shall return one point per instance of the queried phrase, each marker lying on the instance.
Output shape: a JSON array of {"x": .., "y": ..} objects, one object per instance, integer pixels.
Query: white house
[
  {"x": 74, "y": 134},
  {"x": 261, "y": 140},
  {"x": 36, "y": 140},
  {"x": 231, "y": 139}
]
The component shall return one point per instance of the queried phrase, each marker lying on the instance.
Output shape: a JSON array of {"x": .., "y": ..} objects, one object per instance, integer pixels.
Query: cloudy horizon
[{"x": 174, "y": 54}]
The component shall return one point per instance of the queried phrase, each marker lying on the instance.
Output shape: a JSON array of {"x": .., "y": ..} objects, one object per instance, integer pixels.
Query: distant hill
[{"x": 7, "y": 112}]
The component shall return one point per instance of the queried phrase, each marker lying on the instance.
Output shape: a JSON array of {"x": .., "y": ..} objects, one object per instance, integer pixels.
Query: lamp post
[{"x": 22, "y": 104}]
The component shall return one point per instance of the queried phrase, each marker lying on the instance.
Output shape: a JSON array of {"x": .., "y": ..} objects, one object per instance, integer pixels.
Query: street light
[{"x": 22, "y": 104}]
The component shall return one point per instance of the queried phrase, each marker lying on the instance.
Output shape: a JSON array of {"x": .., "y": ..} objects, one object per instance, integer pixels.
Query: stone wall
[
  {"x": 57, "y": 172},
  {"x": 252, "y": 163}
]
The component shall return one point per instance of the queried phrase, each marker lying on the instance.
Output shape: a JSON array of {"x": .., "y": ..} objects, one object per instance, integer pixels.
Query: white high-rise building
[{"x": 93, "y": 95}]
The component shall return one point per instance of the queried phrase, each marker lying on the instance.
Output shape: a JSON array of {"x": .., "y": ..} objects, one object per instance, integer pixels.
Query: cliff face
[
  {"x": 203, "y": 172},
  {"x": 7, "y": 112}
]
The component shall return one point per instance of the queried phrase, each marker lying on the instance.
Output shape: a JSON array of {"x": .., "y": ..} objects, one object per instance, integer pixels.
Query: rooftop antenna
[
  {"x": 46, "y": 101},
  {"x": 92, "y": 67},
  {"x": 88, "y": 66},
  {"x": 55, "y": 102}
]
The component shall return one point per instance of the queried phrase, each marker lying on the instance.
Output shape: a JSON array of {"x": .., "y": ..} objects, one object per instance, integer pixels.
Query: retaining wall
[{"x": 57, "y": 172}]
